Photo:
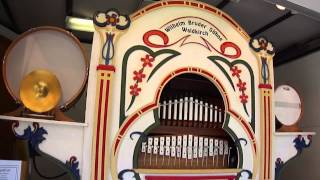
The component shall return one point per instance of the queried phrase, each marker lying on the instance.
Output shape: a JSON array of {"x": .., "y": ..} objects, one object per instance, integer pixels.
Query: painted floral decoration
[
  {"x": 113, "y": 19},
  {"x": 235, "y": 71},
  {"x": 135, "y": 90},
  {"x": 73, "y": 165},
  {"x": 242, "y": 86},
  {"x": 138, "y": 76},
  {"x": 262, "y": 44},
  {"x": 300, "y": 143},
  {"x": 147, "y": 60},
  {"x": 243, "y": 98}
]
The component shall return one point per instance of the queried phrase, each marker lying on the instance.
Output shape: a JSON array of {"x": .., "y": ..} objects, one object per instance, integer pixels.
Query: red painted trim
[
  {"x": 116, "y": 145},
  {"x": 207, "y": 73},
  {"x": 210, "y": 9},
  {"x": 220, "y": 84},
  {"x": 181, "y": 70},
  {"x": 166, "y": 79},
  {"x": 194, "y": 4},
  {"x": 106, "y": 67},
  {"x": 154, "y": 6},
  {"x": 105, "y": 127},
  {"x": 265, "y": 135},
  {"x": 193, "y": 69},
  {"x": 148, "y": 107},
  {"x": 189, "y": 177},
  {"x": 269, "y": 135},
  {"x": 98, "y": 132},
  {"x": 175, "y": 2},
  {"x": 265, "y": 86},
  {"x": 136, "y": 15},
  {"x": 246, "y": 127},
  {"x": 158, "y": 95},
  {"x": 125, "y": 127},
  {"x": 230, "y": 20}
]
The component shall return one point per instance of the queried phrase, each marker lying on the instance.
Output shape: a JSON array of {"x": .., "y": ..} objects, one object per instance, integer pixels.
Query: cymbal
[{"x": 40, "y": 91}]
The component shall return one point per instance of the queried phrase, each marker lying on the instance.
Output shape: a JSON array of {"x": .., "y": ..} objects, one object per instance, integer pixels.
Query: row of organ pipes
[
  {"x": 191, "y": 109},
  {"x": 184, "y": 152},
  {"x": 185, "y": 148}
]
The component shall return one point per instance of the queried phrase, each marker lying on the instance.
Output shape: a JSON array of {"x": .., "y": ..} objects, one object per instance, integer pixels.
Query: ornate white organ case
[{"x": 182, "y": 92}]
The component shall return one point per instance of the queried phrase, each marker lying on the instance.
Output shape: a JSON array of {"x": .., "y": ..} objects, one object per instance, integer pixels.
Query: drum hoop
[
  {"x": 66, "y": 105},
  {"x": 301, "y": 101}
]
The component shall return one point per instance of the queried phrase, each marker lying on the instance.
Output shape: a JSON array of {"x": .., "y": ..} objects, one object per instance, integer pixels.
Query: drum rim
[
  {"x": 301, "y": 102},
  {"x": 71, "y": 101}
]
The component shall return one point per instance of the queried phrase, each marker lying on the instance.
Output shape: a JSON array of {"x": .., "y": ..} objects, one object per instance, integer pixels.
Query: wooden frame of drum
[
  {"x": 52, "y": 49},
  {"x": 288, "y": 108}
]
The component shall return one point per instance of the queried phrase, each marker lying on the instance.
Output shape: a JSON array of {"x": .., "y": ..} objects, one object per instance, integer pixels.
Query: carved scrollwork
[{"x": 123, "y": 174}]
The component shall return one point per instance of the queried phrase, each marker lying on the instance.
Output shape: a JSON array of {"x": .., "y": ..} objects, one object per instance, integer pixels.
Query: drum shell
[
  {"x": 72, "y": 72},
  {"x": 292, "y": 97}
]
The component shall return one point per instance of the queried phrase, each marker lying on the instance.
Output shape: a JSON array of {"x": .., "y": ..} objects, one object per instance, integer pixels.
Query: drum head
[
  {"x": 49, "y": 48},
  {"x": 288, "y": 108}
]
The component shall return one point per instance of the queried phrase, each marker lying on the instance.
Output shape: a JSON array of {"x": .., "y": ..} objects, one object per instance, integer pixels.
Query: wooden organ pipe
[
  {"x": 191, "y": 112},
  {"x": 175, "y": 109}
]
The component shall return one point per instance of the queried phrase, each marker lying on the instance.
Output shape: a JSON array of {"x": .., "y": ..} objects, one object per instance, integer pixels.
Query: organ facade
[{"x": 191, "y": 97}]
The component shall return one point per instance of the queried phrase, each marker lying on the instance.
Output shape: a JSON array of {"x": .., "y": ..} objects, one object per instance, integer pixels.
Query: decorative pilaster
[
  {"x": 265, "y": 52},
  {"x": 108, "y": 25}
]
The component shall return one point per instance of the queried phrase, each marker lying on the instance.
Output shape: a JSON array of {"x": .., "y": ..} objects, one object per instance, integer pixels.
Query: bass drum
[
  {"x": 52, "y": 49},
  {"x": 288, "y": 105}
]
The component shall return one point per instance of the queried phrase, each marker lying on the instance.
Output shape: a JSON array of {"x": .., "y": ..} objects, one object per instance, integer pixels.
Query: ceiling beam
[
  {"x": 309, "y": 8},
  {"x": 9, "y": 14},
  {"x": 297, "y": 50},
  {"x": 271, "y": 24},
  {"x": 222, "y": 4},
  {"x": 8, "y": 33},
  {"x": 69, "y": 7}
]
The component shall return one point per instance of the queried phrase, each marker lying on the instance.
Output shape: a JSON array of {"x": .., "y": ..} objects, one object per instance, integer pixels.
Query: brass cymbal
[{"x": 40, "y": 91}]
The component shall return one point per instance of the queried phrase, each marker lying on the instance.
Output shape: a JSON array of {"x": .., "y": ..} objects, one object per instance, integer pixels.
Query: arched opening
[{"x": 189, "y": 133}]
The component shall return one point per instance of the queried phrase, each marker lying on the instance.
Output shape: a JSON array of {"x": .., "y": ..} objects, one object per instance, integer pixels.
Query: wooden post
[
  {"x": 108, "y": 26},
  {"x": 265, "y": 52}
]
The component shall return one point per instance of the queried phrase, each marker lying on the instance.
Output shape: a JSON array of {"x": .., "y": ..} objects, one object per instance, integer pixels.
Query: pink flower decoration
[
  {"x": 147, "y": 60},
  {"x": 235, "y": 71},
  {"x": 135, "y": 90},
  {"x": 243, "y": 98},
  {"x": 242, "y": 86},
  {"x": 138, "y": 76},
  {"x": 113, "y": 19}
]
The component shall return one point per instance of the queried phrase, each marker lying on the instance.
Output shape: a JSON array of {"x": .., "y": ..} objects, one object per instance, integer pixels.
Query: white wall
[{"x": 304, "y": 75}]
